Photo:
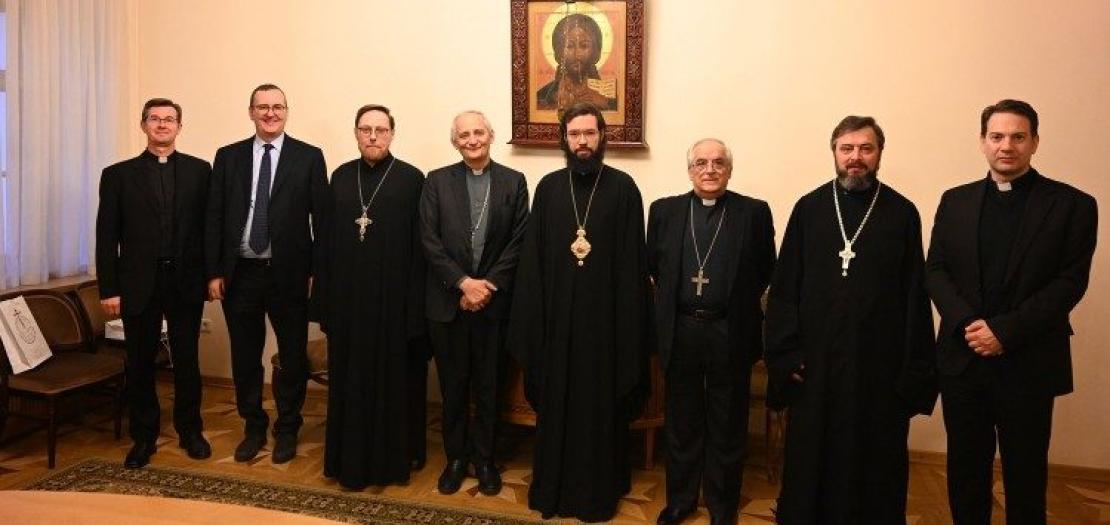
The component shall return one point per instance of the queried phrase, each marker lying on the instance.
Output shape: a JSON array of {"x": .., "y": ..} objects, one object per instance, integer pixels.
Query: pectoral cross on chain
[
  {"x": 699, "y": 280},
  {"x": 846, "y": 256},
  {"x": 362, "y": 223}
]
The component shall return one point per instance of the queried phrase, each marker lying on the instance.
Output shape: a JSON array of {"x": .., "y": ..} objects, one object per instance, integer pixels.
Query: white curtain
[{"x": 69, "y": 80}]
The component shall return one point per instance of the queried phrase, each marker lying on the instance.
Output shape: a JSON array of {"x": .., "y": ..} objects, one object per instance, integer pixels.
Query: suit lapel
[
  {"x": 737, "y": 217},
  {"x": 462, "y": 207},
  {"x": 145, "y": 184},
  {"x": 497, "y": 190},
  {"x": 284, "y": 165},
  {"x": 246, "y": 174},
  {"x": 967, "y": 233},
  {"x": 1041, "y": 200},
  {"x": 675, "y": 236}
]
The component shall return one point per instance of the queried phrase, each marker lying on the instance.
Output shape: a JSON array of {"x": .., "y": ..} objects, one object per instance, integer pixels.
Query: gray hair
[
  {"x": 690, "y": 152},
  {"x": 485, "y": 122}
]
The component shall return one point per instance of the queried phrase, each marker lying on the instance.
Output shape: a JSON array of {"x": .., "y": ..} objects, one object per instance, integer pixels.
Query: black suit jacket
[
  {"x": 299, "y": 205},
  {"x": 128, "y": 232},
  {"x": 445, "y": 233},
  {"x": 750, "y": 268},
  {"x": 1047, "y": 271}
]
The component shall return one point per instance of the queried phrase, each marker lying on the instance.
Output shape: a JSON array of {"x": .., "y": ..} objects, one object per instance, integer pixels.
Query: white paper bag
[{"x": 23, "y": 341}]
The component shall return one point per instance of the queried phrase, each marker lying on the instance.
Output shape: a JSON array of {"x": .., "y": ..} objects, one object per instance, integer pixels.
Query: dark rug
[{"x": 100, "y": 475}]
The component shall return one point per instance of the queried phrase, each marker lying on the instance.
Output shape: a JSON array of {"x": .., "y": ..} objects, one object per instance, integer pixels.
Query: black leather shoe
[
  {"x": 248, "y": 448},
  {"x": 452, "y": 477},
  {"x": 139, "y": 455},
  {"x": 285, "y": 448},
  {"x": 417, "y": 464},
  {"x": 489, "y": 479},
  {"x": 727, "y": 518},
  {"x": 673, "y": 515},
  {"x": 195, "y": 446}
]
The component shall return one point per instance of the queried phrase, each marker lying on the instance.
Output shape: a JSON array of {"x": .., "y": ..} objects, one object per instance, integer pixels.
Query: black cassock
[
  {"x": 579, "y": 333},
  {"x": 372, "y": 308},
  {"x": 866, "y": 343}
]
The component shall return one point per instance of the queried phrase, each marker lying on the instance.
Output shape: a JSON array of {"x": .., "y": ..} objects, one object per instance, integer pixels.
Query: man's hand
[
  {"x": 798, "y": 376},
  {"x": 216, "y": 289},
  {"x": 476, "y": 291},
  {"x": 111, "y": 306},
  {"x": 981, "y": 339}
]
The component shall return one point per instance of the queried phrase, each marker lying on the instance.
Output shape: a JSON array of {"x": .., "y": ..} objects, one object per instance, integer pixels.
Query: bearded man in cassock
[
  {"x": 711, "y": 252},
  {"x": 849, "y": 338},
  {"x": 372, "y": 308},
  {"x": 578, "y": 324}
]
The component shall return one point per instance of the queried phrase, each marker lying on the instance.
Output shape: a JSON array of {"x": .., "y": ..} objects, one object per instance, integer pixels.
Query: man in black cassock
[
  {"x": 473, "y": 214},
  {"x": 710, "y": 252},
  {"x": 1009, "y": 259},
  {"x": 372, "y": 308},
  {"x": 578, "y": 323},
  {"x": 849, "y": 337}
]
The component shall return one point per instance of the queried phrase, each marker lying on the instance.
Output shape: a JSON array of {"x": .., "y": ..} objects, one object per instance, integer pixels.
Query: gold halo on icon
[{"x": 584, "y": 8}]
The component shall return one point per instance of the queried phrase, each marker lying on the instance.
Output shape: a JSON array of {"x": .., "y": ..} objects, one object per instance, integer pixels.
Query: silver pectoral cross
[
  {"x": 846, "y": 256},
  {"x": 699, "y": 280},
  {"x": 362, "y": 223}
]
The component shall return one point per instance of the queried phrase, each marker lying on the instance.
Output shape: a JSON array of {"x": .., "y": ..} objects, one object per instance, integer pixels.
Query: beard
[
  {"x": 856, "y": 182},
  {"x": 590, "y": 164}
]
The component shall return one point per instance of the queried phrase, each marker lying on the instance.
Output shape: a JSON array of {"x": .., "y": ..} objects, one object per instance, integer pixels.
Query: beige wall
[{"x": 770, "y": 78}]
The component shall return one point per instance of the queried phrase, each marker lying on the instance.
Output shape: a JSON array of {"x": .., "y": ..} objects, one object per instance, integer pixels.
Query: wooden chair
[
  {"x": 317, "y": 361},
  {"x": 63, "y": 381}
]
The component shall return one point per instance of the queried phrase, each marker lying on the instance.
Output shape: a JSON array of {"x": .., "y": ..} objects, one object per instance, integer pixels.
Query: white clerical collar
[
  {"x": 1004, "y": 186},
  {"x": 708, "y": 202}
]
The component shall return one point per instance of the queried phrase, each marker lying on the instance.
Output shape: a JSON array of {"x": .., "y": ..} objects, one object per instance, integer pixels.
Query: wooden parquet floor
[{"x": 23, "y": 460}]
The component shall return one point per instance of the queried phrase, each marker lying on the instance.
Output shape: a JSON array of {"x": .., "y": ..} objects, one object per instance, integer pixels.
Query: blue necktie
[{"x": 260, "y": 225}]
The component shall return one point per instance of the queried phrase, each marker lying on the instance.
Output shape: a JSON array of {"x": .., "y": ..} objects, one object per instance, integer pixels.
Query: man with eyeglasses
[
  {"x": 472, "y": 216},
  {"x": 371, "y": 304},
  {"x": 268, "y": 197},
  {"x": 849, "y": 340},
  {"x": 149, "y": 241},
  {"x": 710, "y": 252},
  {"x": 579, "y": 322}
]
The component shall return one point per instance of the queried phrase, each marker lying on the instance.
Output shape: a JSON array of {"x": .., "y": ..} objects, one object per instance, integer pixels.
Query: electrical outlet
[{"x": 205, "y": 325}]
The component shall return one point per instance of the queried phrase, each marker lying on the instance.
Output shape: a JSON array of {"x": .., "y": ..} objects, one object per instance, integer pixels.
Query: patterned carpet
[{"x": 100, "y": 475}]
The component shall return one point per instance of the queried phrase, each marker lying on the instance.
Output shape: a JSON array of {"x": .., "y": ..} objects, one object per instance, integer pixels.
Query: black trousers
[
  {"x": 978, "y": 409},
  {"x": 706, "y": 422},
  {"x": 254, "y": 294},
  {"x": 142, "y": 333},
  {"x": 468, "y": 357},
  {"x": 418, "y": 403}
]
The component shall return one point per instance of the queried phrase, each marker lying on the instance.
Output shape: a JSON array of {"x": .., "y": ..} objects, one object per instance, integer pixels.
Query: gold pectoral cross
[
  {"x": 362, "y": 223},
  {"x": 700, "y": 281},
  {"x": 846, "y": 256},
  {"x": 580, "y": 247}
]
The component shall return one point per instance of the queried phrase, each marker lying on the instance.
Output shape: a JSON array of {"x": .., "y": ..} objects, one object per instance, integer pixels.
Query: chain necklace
[
  {"x": 846, "y": 255},
  {"x": 485, "y": 203},
  {"x": 363, "y": 221},
  {"x": 700, "y": 279},
  {"x": 581, "y": 247}
]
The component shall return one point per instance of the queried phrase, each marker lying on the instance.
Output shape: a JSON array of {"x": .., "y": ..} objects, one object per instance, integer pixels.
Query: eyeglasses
[
  {"x": 702, "y": 165},
  {"x": 265, "y": 108},
  {"x": 155, "y": 120},
  {"x": 576, "y": 134},
  {"x": 366, "y": 131}
]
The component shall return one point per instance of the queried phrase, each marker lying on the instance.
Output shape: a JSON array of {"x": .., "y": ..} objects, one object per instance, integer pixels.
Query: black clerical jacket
[
  {"x": 128, "y": 232},
  {"x": 1047, "y": 273},
  {"x": 445, "y": 234},
  {"x": 750, "y": 267}
]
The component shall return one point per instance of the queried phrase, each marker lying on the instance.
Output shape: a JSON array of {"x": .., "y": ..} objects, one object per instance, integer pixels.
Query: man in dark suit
[
  {"x": 473, "y": 215},
  {"x": 711, "y": 253},
  {"x": 1009, "y": 259},
  {"x": 268, "y": 195},
  {"x": 150, "y": 266}
]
